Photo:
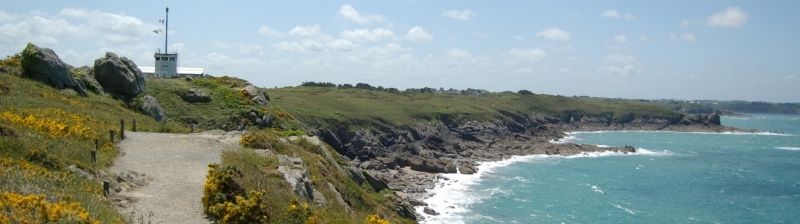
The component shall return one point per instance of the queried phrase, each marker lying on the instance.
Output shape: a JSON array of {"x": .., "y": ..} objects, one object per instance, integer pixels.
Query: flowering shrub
[
  {"x": 53, "y": 122},
  {"x": 249, "y": 209},
  {"x": 298, "y": 214},
  {"x": 375, "y": 219},
  {"x": 225, "y": 200},
  {"x": 27, "y": 170},
  {"x": 18, "y": 208},
  {"x": 260, "y": 139}
]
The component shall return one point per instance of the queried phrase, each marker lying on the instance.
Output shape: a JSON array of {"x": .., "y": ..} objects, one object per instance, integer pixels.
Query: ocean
[{"x": 674, "y": 178}]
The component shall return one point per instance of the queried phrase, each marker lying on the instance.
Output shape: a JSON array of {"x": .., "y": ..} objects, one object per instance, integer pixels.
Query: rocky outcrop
[
  {"x": 256, "y": 95},
  {"x": 195, "y": 96},
  {"x": 42, "y": 64},
  {"x": 119, "y": 76},
  {"x": 298, "y": 178},
  {"x": 151, "y": 107}
]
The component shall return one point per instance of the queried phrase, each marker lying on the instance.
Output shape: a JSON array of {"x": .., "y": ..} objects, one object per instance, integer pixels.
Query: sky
[{"x": 685, "y": 49}]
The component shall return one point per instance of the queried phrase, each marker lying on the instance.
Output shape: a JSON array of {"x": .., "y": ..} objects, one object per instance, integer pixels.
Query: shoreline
[{"x": 426, "y": 203}]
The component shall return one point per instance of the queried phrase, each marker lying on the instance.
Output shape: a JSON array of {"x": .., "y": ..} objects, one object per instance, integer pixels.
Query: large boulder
[
  {"x": 119, "y": 76},
  {"x": 195, "y": 96},
  {"x": 42, "y": 64},
  {"x": 151, "y": 107},
  {"x": 256, "y": 95}
]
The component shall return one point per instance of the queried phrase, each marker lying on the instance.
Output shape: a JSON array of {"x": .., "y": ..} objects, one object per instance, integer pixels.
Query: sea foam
[{"x": 789, "y": 148}]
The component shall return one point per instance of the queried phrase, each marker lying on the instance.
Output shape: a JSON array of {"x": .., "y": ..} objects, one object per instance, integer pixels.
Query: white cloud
[
  {"x": 462, "y": 15},
  {"x": 343, "y": 45},
  {"x": 618, "y": 70},
  {"x": 685, "y": 23},
  {"x": 611, "y": 13},
  {"x": 306, "y": 31},
  {"x": 527, "y": 54},
  {"x": 418, "y": 34},
  {"x": 620, "y": 64},
  {"x": 730, "y": 17},
  {"x": 368, "y": 35},
  {"x": 620, "y": 38},
  {"x": 459, "y": 53},
  {"x": 554, "y": 34},
  {"x": 614, "y": 14},
  {"x": 688, "y": 37},
  {"x": 351, "y": 14},
  {"x": 266, "y": 31}
]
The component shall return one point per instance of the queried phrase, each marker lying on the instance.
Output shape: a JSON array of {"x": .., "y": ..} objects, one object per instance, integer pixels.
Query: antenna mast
[{"x": 166, "y": 32}]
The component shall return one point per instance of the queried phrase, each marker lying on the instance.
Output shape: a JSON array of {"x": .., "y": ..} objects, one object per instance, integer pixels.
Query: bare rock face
[
  {"x": 119, "y": 76},
  {"x": 256, "y": 95},
  {"x": 42, "y": 64},
  {"x": 151, "y": 107}
]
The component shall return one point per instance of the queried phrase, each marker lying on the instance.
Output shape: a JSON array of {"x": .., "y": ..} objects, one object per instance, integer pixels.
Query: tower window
[
  {"x": 172, "y": 59},
  {"x": 158, "y": 59},
  {"x": 163, "y": 58}
]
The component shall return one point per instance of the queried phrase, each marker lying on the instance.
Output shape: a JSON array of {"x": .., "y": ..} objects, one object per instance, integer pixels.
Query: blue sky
[{"x": 745, "y": 50}]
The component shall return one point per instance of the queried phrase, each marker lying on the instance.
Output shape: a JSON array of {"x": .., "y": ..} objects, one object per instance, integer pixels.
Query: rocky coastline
[{"x": 409, "y": 159}]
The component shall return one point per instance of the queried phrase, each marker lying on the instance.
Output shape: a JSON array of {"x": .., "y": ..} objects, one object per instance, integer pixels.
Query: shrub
[
  {"x": 297, "y": 214},
  {"x": 375, "y": 219},
  {"x": 33, "y": 208},
  {"x": 260, "y": 139}
]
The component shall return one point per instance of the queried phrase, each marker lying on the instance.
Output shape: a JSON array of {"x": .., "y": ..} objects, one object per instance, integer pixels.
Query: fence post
[
  {"x": 192, "y": 127},
  {"x": 106, "y": 188},
  {"x": 111, "y": 136},
  {"x": 94, "y": 152},
  {"x": 121, "y": 129},
  {"x": 134, "y": 125}
]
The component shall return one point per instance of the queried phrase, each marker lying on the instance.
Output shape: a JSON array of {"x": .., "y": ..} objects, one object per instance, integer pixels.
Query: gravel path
[{"x": 176, "y": 166}]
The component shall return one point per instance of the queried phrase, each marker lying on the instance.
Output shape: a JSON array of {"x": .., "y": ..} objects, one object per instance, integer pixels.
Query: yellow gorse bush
[
  {"x": 28, "y": 170},
  {"x": 33, "y": 208},
  {"x": 375, "y": 219},
  {"x": 53, "y": 122}
]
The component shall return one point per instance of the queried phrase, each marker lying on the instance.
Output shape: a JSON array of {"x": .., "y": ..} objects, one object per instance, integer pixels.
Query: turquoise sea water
[{"x": 676, "y": 178}]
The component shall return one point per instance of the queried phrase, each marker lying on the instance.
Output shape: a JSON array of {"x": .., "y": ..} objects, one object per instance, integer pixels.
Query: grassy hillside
[
  {"x": 43, "y": 131},
  {"x": 312, "y": 104},
  {"x": 228, "y": 105}
]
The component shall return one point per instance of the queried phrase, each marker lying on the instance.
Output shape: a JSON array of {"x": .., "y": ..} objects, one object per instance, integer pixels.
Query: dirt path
[{"x": 175, "y": 166}]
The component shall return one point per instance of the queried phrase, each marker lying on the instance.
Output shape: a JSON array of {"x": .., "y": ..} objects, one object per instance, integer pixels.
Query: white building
[{"x": 166, "y": 64}]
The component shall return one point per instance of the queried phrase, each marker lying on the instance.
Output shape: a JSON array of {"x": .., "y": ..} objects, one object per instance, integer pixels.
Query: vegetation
[
  {"x": 245, "y": 175},
  {"x": 47, "y": 133},
  {"x": 708, "y": 106},
  {"x": 316, "y": 106},
  {"x": 229, "y": 105}
]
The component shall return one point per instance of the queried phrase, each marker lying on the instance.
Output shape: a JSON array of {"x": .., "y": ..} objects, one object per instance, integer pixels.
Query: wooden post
[
  {"x": 106, "y": 188},
  {"x": 121, "y": 129},
  {"x": 192, "y": 127},
  {"x": 94, "y": 152},
  {"x": 134, "y": 125},
  {"x": 111, "y": 136}
]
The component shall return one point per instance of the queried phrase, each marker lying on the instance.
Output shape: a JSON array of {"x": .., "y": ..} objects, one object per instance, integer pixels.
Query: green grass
[
  {"x": 355, "y": 106},
  {"x": 227, "y": 104},
  {"x": 44, "y": 130}
]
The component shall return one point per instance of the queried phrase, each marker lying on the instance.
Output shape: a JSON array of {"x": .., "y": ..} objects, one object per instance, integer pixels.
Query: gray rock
[
  {"x": 338, "y": 197},
  {"x": 119, "y": 76},
  {"x": 256, "y": 95},
  {"x": 429, "y": 211},
  {"x": 151, "y": 108},
  {"x": 377, "y": 183},
  {"x": 195, "y": 96},
  {"x": 295, "y": 173},
  {"x": 42, "y": 64}
]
